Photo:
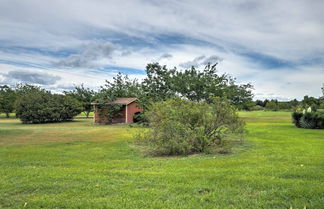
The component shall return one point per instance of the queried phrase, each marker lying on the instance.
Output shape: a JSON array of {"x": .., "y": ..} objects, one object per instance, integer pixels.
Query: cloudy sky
[{"x": 276, "y": 45}]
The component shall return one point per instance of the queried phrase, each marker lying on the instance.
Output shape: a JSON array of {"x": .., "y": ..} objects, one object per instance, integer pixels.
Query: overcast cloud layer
[{"x": 278, "y": 46}]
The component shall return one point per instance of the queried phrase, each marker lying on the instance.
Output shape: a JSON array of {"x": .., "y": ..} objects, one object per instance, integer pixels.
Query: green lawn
[{"x": 80, "y": 165}]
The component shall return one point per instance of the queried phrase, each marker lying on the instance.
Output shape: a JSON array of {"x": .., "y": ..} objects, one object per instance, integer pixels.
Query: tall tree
[
  {"x": 197, "y": 85},
  {"x": 7, "y": 100},
  {"x": 120, "y": 86},
  {"x": 158, "y": 85},
  {"x": 84, "y": 95}
]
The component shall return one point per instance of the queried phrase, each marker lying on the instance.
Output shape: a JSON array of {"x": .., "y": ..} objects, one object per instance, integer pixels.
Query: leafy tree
[
  {"x": 120, "y": 86},
  {"x": 198, "y": 85},
  {"x": 284, "y": 105},
  {"x": 84, "y": 95},
  {"x": 272, "y": 105},
  {"x": 7, "y": 100},
  {"x": 22, "y": 89},
  {"x": 195, "y": 85},
  {"x": 40, "y": 106},
  {"x": 158, "y": 85},
  {"x": 310, "y": 102},
  {"x": 293, "y": 103}
]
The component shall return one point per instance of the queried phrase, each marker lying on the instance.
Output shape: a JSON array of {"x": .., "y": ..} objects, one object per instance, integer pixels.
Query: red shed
[{"x": 130, "y": 107}]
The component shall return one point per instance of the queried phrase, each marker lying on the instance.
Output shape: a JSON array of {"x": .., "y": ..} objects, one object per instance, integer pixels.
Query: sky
[{"x": 276, "y": 45}]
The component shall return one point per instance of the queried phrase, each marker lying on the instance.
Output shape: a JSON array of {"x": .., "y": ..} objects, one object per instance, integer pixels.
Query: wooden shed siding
[{"x": 132, "y": 108}]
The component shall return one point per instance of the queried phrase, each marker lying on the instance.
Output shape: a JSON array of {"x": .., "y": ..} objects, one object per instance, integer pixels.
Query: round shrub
[
  {"x": 182, "y": 127},
  {"x": 40, "y": 106}
]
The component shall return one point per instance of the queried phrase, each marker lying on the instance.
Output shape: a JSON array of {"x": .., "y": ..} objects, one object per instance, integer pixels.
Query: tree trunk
[
  {"x": 87, "y": 114},
  {"x": 7, "y": 115}
]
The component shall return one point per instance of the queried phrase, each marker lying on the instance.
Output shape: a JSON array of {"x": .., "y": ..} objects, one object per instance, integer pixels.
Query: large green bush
[
  {"x": 181, "y": 127},
  {"x": 40, "y": 106},
  {"x": 310, "y": 120}
]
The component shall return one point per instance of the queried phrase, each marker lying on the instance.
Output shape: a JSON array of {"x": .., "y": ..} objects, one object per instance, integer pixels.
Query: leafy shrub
[
  {"x": 181, "y": 127},
  {"x": 257, "y": 108},
  {"x": 272, "y": 105},
  {"x": 296, "y": 118},
  {"x": 310, "y": 120},
  {"x": 40, "y": 106},
  {"x": 140, "y": 118}
]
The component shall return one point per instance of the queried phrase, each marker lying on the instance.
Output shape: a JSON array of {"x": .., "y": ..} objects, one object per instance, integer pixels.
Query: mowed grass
[{"x": 80, "y": 165}]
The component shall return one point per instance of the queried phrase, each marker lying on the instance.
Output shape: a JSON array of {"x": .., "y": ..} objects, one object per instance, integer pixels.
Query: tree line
[{"x": 160, "y": 84}]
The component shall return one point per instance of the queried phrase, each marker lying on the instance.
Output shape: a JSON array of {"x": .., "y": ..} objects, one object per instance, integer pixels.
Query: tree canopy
[
  {"x": 193, "y": 84},
  {"x": 7, "y": 99},
  {"x": 84, "y": 95}
]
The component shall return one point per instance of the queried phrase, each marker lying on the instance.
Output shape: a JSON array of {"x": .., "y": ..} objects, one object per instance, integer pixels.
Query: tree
[
  {"x": 120, "y": 86},
  {"x": 7, "y": 100},
  {"x": 40, "y": 106},
  {"x": 194, "y": 84},
  {"x": 197, "y": 85},
  {"x": 272, "y": 105},
  {"x": 310, "y": 102},
  {"x": 84, "y": 95},
  {"x": 158, "y": 85}
]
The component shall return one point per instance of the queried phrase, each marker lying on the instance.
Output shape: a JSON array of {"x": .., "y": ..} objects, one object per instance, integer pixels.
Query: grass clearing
[{"x": 81, "y": 165}]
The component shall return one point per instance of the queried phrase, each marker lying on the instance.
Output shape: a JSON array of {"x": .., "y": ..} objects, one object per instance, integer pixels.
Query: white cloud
[{"x": 103, "y": 33}]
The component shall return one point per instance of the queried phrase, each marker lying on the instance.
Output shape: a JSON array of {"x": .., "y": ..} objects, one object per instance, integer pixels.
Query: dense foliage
[
  {"x": 7, "y": 99},
  {"x": 275, "y": 105},
  {"x": 120, "y": 86},
  {"x": 85, "y": 96},
  {"x": 181, "y": 127},
  {"x": 40, "y": 106},
  {"x": 193, "y": 84},
  {"x": 311, "y": 120}
]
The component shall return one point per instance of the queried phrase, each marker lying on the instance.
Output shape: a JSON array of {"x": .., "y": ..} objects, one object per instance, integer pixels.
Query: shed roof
[{"x": 122, "y": 100}]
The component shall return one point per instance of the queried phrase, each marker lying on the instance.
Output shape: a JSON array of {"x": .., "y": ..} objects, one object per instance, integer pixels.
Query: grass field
[{"x": 80, "y": 165}]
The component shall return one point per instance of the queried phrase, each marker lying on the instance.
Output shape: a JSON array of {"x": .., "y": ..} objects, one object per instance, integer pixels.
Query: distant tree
[
  {"x": 84, "y": 95},
  {"x": 259, "y": 103},
  {"x": 284, "y": 105},
  {"x": 310, "y": 102},
  {"x": 272, "y": 105},
  {"x": 294, "y": 103},
  {"x": 265, "y": 102},
  {"x": 7, "y": 100}
]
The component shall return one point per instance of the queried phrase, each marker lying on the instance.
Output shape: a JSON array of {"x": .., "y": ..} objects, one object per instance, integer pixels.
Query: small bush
[
  {"x": 296, "y": 118},
  {"x": 257, "y": 108},
  {"x": 182, "y": 127},
  {"x": 40, "y": 106},
  {"x": 309, "y": 120}
]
